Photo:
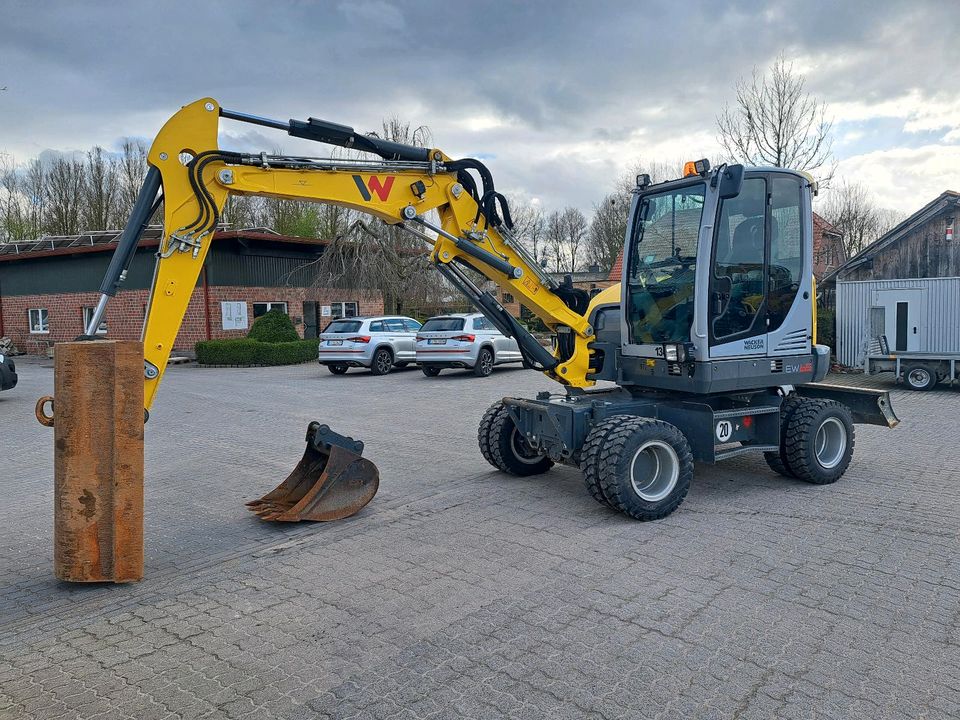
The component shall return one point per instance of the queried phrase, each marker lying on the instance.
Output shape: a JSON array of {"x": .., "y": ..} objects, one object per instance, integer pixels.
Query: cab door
[
  {"x": 761, "y": 275},
  {"x": 738, "y": 285},
  {"x": 789, "y": 267}
]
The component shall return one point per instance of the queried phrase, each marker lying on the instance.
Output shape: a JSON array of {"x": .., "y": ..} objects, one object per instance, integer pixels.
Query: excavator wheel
[
  {"x": 505, "y": 448},
  {"x": 778, "y": 461},
  {"x": 332, "y": 481},
  {"x": 590, "y": 456}
]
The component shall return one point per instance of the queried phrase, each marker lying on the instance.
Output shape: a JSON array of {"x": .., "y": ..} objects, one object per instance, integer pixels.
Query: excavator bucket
[{"x": 331, "y": 481}]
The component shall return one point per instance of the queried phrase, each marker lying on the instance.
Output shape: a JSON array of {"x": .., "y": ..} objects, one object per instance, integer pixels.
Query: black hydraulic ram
[
  {"x": 533, "y": 352},
  {"x": 147, "y": 203},
  {"x": 335, "y": 134}
]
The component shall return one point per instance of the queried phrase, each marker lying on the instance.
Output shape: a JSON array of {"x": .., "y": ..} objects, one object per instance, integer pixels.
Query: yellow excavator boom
[
  {"x": 197, "y": 179},
  {"x": 403, "y": 187}
]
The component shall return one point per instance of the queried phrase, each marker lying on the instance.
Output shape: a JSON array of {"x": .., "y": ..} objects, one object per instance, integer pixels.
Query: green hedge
[
  {"x": 273, "y": 327},
  {"x": 245, "y": 351}
]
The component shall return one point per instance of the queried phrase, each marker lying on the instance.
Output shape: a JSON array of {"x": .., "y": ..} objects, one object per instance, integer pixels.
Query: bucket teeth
[{"x": 332, "y": 481}]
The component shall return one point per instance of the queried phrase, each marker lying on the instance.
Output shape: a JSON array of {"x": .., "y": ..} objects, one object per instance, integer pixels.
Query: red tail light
[
  {"x": 464, "y": 338},
  {"x": 359, "y": 339}
]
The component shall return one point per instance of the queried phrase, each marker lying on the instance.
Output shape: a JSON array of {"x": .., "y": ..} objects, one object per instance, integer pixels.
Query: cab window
[
  {"x": 738, "y": 288},
  {"x": 786, "y": 256}
]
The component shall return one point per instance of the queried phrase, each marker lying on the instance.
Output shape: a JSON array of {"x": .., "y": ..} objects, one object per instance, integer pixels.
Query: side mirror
[{"x": 731, "y": 180}]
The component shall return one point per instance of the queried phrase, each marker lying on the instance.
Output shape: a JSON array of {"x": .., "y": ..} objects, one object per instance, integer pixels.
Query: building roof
[
  {"x": 820, "y": 224},
  {"x": 106, "y": 240},
  {"x": 946, "y": 199},
  {"x": 616, "y": 272}
]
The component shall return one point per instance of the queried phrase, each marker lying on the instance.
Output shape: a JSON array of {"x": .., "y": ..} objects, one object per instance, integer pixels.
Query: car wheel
[
  {"x": 338, "y": 369},
  {"x": 430, "y": 371},
  {"x": 382, "y": 362},
  {"x": 919, "y": 377},
  {"x": 484, "y": 365}
]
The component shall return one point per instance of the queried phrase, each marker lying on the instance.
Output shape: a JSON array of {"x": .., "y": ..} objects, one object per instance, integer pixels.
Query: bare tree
[
  {"x": 64, "y": 196},
  {"x": 100, "y": 192},
  {"x": 14, "y": 222},
  {"x": 851, "y": 210},
  {"x": 34, "y": 188},
  {"x": 529, "y": 226},
  {"x": 776, "y": 122},
  {"x": 131, "y": 172},
  {"x": 566, "y": 232},
  {"x": 611, "y": 215}
]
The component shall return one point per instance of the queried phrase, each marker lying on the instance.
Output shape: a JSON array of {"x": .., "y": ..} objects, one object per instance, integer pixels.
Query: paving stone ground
[{"x": 462, "y": 592}]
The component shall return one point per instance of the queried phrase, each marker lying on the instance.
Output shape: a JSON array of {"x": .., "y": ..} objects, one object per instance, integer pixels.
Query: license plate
[
  {"x": 334, "y": 342},
  {"x": 437, "y": 342}
]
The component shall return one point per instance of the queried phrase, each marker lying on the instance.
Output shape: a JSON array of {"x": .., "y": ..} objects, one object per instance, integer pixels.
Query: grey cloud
[{"x": 560, "y": 73}]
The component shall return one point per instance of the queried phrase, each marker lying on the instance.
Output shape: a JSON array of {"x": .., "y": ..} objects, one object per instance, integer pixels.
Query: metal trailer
[
  {"x": 916, "y": 370},
  {"x": 910, "y": 327}
]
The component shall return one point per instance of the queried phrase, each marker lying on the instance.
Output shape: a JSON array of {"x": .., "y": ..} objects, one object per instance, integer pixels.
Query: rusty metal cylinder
[{"x": 98, "y": 461}]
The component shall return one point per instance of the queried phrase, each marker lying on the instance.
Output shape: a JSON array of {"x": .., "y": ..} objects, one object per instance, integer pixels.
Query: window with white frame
[
  {"x": 345, "y": 309},
  {"x": 88, "y": 317},
  {"x": 39, "y": 321},
  {"x": 262, "y": 308}
]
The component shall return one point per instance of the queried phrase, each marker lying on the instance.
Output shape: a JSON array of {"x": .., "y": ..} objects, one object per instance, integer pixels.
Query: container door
[{"x": 903, "y": 318}]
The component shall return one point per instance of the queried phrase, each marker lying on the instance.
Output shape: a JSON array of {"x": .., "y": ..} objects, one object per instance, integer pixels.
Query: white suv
[
  {"x": 379, "y": 343},
  {"x": 463, "y": 341}
]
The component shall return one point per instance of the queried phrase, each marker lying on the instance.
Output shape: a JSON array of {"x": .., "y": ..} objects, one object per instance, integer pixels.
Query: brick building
[{"x": 48, "y": 288}]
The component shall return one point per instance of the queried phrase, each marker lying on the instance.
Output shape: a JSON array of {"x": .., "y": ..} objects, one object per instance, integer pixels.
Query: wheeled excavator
[{"x": 706, "y": 350}]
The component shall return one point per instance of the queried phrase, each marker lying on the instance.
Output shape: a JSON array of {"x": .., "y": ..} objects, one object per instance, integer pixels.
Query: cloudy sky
[{"x": 559, "y": 98}]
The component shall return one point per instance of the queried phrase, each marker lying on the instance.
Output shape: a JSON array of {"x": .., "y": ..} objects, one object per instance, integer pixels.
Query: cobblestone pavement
[{"x": 462, "y": 592}]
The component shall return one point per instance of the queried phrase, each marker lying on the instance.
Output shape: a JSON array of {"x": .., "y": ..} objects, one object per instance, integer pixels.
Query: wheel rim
[
  {"x": 486, "y": 362},
  {"x": 654, "y": 470},
  {"x": 918, "y": 377},
  {"x": 521, "y": 450},
  {"x": 830, "y": 443},
  {"x": 383, "y": 362}
]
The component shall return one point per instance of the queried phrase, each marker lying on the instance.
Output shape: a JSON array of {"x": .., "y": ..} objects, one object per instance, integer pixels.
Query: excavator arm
[{"x": 195, "y": 179}]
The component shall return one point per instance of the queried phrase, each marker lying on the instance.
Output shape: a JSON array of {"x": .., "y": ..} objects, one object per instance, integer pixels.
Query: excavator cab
[{"x": 715, "y": 277}]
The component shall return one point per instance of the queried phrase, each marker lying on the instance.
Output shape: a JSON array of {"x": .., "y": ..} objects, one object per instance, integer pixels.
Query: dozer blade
[{"x": 331, "y": 481}]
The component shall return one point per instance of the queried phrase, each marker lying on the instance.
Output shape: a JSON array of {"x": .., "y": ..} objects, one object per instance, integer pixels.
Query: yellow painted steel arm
[{"x": 393, "y": 192}]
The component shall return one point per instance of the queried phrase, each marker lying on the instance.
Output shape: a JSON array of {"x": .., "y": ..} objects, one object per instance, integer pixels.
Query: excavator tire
[
  {"x": 332, "y": 481},
  {"x": 645, "y": 468},
  {"x": 819, "y": 441},
  {"x": 503, "y": 447},
  {"x": 590, "y": 457},
  {"x": 778, "y": 460}
]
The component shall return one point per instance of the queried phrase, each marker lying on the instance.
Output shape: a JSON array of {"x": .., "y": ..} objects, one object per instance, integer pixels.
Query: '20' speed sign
[{"x": 724, "y": 430}]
